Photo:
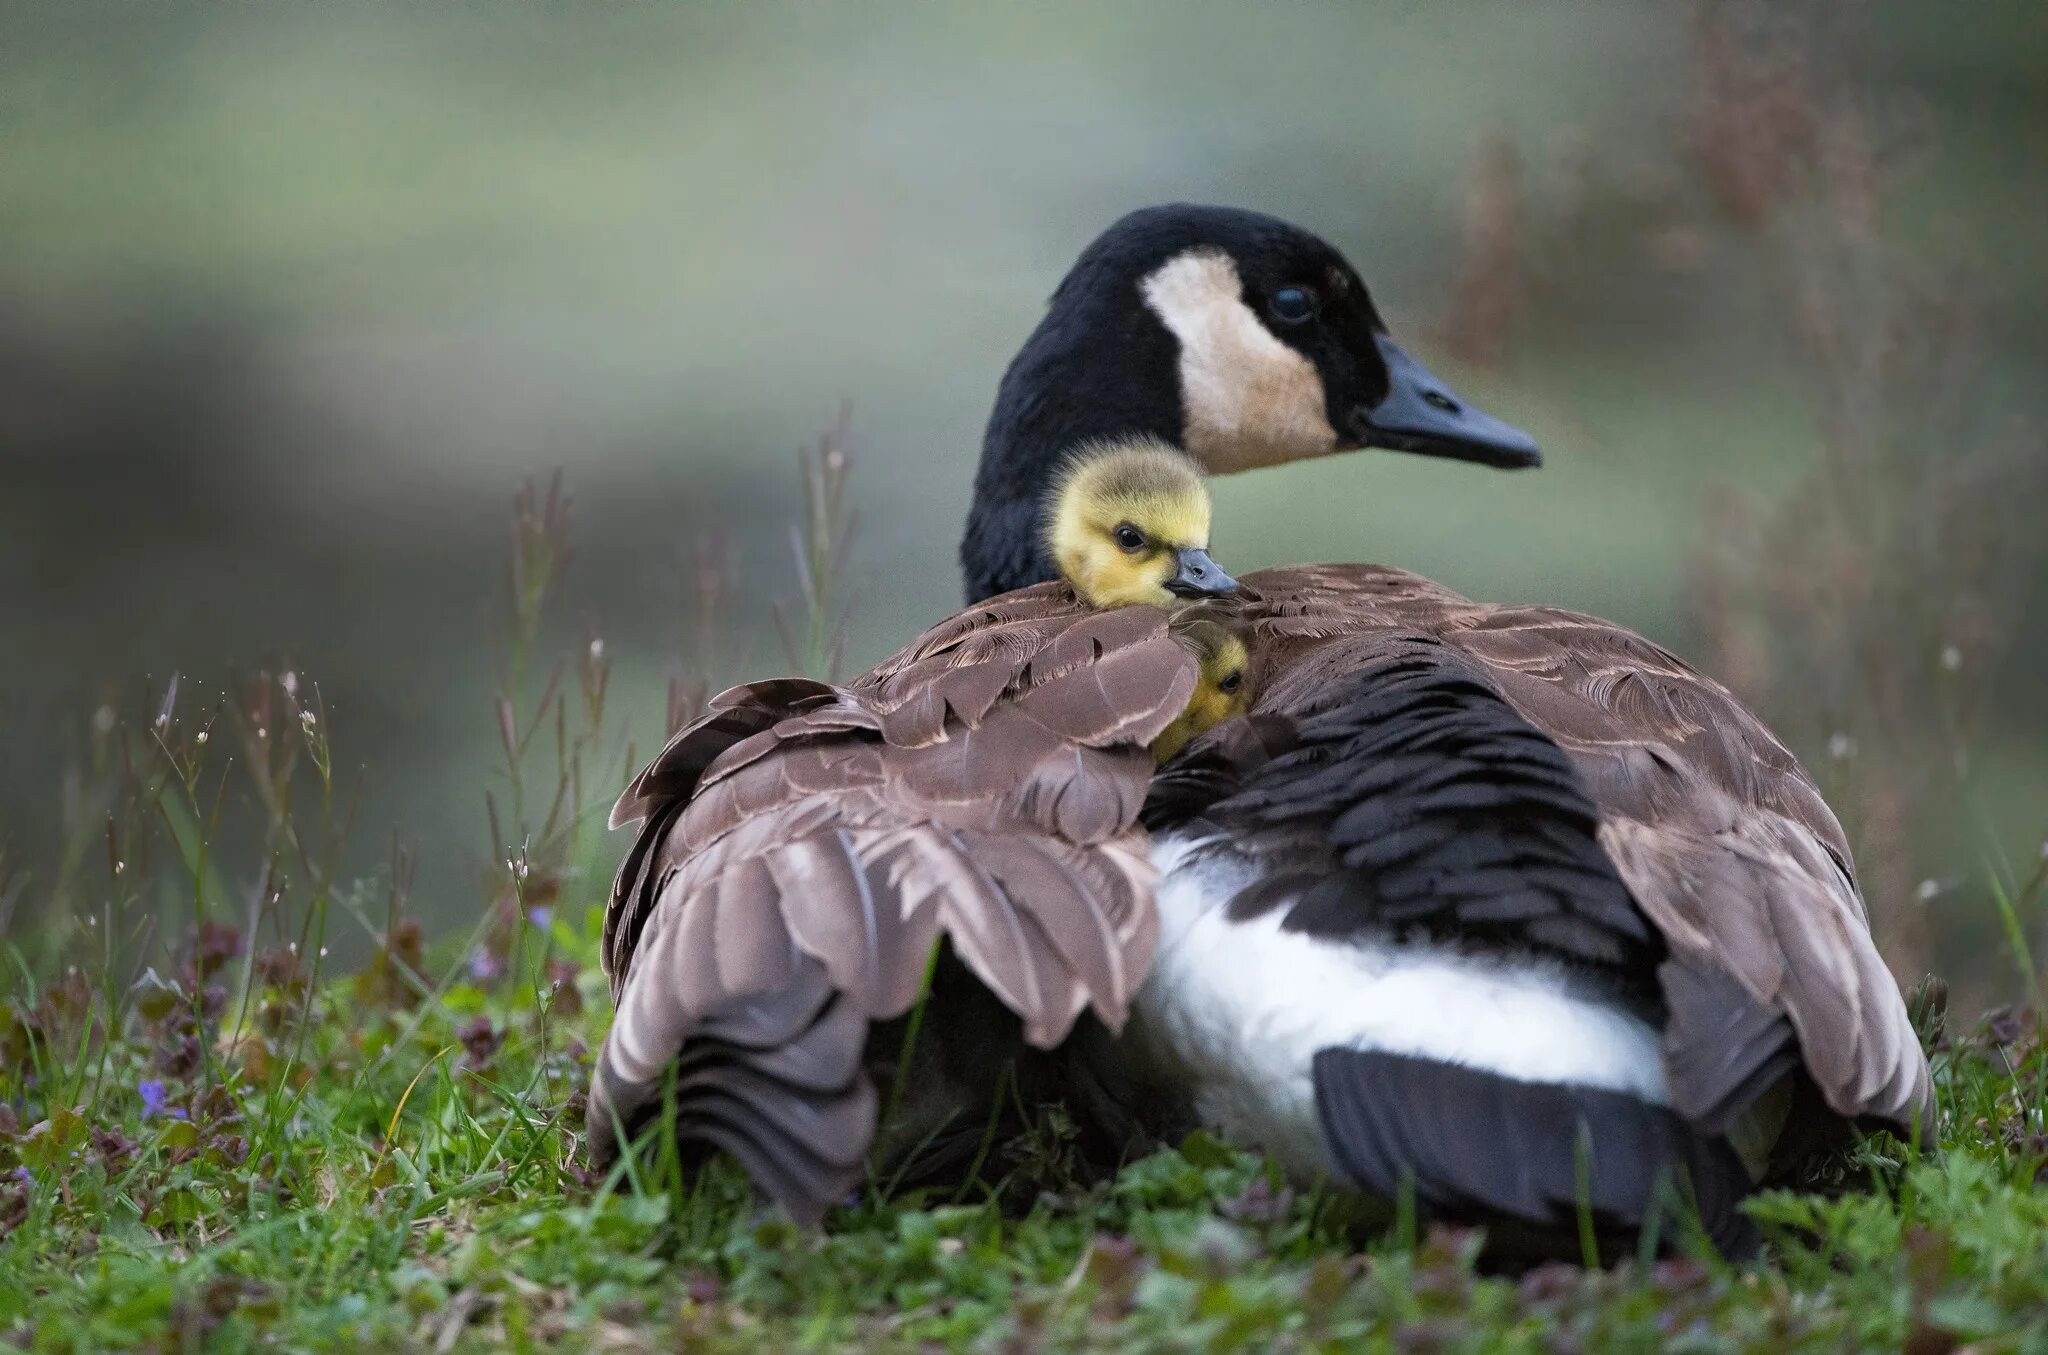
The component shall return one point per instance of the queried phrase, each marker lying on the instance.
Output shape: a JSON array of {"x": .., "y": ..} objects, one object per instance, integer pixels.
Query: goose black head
[{"x": 1235, "y": 336}]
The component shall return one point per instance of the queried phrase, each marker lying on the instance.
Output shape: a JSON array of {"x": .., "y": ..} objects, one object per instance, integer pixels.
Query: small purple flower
[
  {"x": 152, "y": 1092},
  {"x": 484, "y": 966},
  {"x": 21, "y": 1174},
  {"x": 540, "y": 915}
]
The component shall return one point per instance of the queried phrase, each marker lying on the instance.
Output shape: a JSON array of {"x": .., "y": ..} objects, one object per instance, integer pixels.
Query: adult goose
[
  {"x": 1506, "y": 906},
  {"x": 804, "y": 847}
]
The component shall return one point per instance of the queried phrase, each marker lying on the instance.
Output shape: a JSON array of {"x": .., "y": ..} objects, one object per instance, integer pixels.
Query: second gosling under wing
[{"x": 805, "y": 847}]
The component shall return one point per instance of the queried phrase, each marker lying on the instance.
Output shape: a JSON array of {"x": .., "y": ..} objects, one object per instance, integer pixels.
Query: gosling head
[
  {"x": 1222, "y": 684},
  {"x": 1129, "y": 523}
]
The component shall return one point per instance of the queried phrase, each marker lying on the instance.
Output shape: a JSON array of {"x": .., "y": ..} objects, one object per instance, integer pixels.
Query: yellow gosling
[
  {"x": 1222, "y": 690},
  {"x": 1129, "y": 524}
]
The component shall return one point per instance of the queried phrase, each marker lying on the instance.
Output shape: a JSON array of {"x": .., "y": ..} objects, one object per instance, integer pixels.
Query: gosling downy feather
[{"x": 1470, "y": 883}]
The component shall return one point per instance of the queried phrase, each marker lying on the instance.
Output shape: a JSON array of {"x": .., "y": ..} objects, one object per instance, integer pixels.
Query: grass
[{"x": 237, "y": 1156}]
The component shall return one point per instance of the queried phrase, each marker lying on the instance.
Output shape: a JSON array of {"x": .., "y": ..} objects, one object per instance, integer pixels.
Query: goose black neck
[{"x": 1100, "y": 365}]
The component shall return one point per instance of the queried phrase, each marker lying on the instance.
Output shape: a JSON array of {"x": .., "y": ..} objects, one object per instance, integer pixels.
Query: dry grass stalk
[{"x": 815, "y": 639}]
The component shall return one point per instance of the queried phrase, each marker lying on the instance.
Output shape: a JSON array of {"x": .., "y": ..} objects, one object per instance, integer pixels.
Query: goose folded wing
[
  {"x": 798, "y": 890},
  {"x": 1760, "y": 904},
  {"x": 1727, "y": 846},
  {"x": 732, "y": 718}
]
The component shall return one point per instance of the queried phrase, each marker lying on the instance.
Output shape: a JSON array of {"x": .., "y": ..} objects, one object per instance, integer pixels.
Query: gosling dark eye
[
  {"x": 1129, "y": 537},
  {"x": 1292, "y": 305},
  {"x": 1231, "y": 683}
]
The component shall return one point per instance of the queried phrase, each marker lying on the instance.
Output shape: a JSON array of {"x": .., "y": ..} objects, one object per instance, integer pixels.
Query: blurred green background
[{"x": 293, "y": 296}]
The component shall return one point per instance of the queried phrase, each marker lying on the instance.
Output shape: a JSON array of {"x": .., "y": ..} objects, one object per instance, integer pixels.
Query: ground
[{"x": 247, "y": 1153}]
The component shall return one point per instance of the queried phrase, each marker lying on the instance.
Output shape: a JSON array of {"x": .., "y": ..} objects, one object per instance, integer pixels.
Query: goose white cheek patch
[{"x": 1247, "y": 398}]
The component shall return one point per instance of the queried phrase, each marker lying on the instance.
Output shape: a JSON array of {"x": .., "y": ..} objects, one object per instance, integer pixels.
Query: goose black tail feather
[{"x": 1481, "y": 1148}]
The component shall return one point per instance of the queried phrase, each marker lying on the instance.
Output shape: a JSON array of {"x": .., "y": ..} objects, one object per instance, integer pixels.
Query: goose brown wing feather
[
  {"x": 1795, "y": 941},
  {"x": 731, "y": 717},
  {"x": 734, "y": 719},
  {"x": 805, "y": 847},
  {"x": 1720, "y": 836}
]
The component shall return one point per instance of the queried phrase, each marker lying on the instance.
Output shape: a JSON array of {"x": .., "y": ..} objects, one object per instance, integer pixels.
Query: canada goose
[
  {"x": 805, "y": 846},
  {"x": 1505, "y": 903}
]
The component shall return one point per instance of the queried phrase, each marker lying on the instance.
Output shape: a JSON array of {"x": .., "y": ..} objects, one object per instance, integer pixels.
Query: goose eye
[
  {"x": 1129, "y": 537},
  {"x": 1292, "y": 305},
  {"x": 1231, "y": 684}
]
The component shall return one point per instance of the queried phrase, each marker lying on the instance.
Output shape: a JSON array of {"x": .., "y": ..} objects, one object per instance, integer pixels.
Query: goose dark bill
[{"x": 1422, "y": 414}]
